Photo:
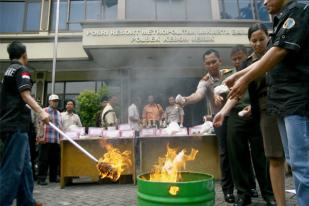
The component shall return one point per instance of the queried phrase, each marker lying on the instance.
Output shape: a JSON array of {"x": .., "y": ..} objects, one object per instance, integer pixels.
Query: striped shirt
[{"x": 50, "y": 135}]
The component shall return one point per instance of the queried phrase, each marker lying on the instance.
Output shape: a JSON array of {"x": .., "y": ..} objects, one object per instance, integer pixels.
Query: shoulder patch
[
  {"x": 25, "y": 75},
  {"x": 289, "y": 23},
  {"x": 226, "y": 70},
  {"x": 10, "y": 72},
  {"x": 206, "y": 77}
]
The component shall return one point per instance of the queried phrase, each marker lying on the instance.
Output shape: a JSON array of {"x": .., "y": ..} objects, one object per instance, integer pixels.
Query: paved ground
[{"x": 82, "y": 194}]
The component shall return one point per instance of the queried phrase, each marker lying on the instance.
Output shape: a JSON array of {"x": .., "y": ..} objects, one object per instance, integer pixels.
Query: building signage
[{"x": 160, "y": 36}]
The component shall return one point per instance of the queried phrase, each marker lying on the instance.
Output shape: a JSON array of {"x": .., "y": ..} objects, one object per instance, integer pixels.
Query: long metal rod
[
  {"x": 55, "y": 47},
  {"x": 73, "y": 142}
]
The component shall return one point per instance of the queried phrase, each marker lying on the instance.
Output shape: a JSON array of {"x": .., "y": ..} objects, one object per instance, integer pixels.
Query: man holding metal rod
[{"x": 16, "y": 181}]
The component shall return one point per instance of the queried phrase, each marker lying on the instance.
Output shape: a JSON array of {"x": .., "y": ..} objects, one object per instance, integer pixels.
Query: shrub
[{"x": 88, "y": 104}]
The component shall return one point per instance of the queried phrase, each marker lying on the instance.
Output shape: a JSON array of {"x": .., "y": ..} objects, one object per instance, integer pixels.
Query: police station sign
[{"x": 160, "y": 36}]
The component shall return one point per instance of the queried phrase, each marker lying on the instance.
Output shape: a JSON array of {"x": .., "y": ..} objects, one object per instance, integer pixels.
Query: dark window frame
[
  {"x": 103, "y": 7},
  {"x": 254, "y": 10},
  {"x": 98, "y": 84},
  {"x": 25, "y": 15}
]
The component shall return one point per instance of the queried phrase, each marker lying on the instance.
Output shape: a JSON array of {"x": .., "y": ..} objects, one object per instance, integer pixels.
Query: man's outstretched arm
[{"x": 265, "y": 64}]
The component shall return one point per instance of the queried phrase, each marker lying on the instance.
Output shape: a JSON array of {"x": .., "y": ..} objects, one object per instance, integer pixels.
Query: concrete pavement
[{"x": 81, "y": 194}]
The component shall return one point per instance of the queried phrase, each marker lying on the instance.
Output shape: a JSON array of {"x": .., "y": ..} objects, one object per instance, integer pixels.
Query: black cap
[{"x": 104, "y": 99}]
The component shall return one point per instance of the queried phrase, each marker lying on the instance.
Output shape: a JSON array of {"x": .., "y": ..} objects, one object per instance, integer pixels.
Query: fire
[
  {"x": 113, "y": 162},
  {"x": 169, "y": 167},
  {"x": 173, "y": 190}
]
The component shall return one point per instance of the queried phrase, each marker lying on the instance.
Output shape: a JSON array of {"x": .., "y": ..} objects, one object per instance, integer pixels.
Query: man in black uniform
[
  {"x": 16, "y": 179},
  {"x": 287, "y": 64}
]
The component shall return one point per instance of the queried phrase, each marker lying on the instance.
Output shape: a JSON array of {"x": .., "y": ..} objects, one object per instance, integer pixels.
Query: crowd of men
[
  {"x": 48, "y": 139},
  {"x": 153, "y": 115},
  {"x": 257, "y": 127}
]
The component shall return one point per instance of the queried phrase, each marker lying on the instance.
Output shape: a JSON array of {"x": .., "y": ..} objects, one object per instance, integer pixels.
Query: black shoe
[
  {"x": 254, "y": 193},
  {"x": 54, "y": 180},
  {"x": 242, "y": 201},
  {"x": 229, "y": 198},
  {"x": 270, "y": 200},
  {"x": 42, "y": 182}
]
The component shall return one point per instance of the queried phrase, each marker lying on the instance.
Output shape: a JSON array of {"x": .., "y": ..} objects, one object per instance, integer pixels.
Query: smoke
[{"x": 161, "y": 72}]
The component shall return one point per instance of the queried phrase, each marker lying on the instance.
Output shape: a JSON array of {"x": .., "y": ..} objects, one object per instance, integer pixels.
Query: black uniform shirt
[
  {"x": 288, "y": 91},
  {"x": 14, "y": 115},
  {"x": 257, "y": 89}
]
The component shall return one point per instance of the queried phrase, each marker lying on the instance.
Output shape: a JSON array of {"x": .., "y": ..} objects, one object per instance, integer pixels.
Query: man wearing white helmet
[{"x": 49, "y": 139}]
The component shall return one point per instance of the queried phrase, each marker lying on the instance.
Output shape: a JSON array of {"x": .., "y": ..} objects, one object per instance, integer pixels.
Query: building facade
[{"x": 138, "y": 47}]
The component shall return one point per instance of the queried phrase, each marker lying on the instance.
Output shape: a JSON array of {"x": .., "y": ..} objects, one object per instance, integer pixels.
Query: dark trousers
[
  {"x": 241, "y": 132},
  {"x": 226, "y": 177},
  {"x": 49, "y": 158},
  {"x": 15, "y": 170},
  {"x": 33, "y": 151}
]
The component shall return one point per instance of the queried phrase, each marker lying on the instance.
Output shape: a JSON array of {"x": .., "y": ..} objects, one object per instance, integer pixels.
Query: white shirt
[
  {"x": 69, "y": 119},
  {"x": 133, "y": 113},
  {"x": 110, "y": 117}
]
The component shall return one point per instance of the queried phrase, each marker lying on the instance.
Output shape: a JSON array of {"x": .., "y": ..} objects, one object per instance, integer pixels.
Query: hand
[
  {"x": 180, "y": 100},
  {"x": 40, "y": 140},
  {"x": 218, "y": 119},
  {"x": 229, "y": 81},
  {"x": 207, "y": 118},
  {"x": 238, "y": 89},
  {"x": 247, "y": 110},
  {"x": 218, "y": 100},
  {"x": 44, "y": 116}
]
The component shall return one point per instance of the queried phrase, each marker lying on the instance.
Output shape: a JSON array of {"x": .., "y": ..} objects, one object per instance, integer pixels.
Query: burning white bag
[
  {"x": 172, "y": 128},
  {"x": 221, "y": 89},
  {"x": 207, "y": 128}
]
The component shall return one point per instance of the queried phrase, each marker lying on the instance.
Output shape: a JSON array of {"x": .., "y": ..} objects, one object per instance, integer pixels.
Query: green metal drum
[{"x": 195, "y": 189}]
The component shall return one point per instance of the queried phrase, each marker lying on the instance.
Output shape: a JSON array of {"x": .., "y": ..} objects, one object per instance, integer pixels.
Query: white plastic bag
[
  {"x": 180, "y": 99},
  {"x": 207, "y": 128},
  {"x": 221, "y": 89},
  {"x": 172, "y": 128}
]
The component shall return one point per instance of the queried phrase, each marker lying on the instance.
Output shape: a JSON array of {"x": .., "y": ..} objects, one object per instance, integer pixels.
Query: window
[
  {"x": 33, "y": 15},
  {"x": 170, "y": 10},
  {"x": 93, "y": 9},
  {"x": 76, "y": 14},
  {"x": 199, "y": 10},
  {"x": 77, "y": 87},
  {"x": 243, "y": 9},
  {"x": 73, "y": 12},
  {"x": 261, "y": 12},
  {"x": 12, "y": 14},
  {"x": 63, "y": 7},
  {"x": 110, "y": 9},
  {"x": 146, "y": 9},
  {"x": 70, "y": 90},
  {"x": 59, "y": 88},
  {"x": 20, "y": 16}
]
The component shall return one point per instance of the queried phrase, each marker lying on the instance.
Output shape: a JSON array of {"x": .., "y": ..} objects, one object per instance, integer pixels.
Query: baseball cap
[
  {"x": 104, "y": 99},
  {"x": 53, "y": 97}
]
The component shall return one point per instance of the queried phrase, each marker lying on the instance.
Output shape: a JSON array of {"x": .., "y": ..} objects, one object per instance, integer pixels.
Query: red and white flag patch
[{"x": 25, "y": 75}]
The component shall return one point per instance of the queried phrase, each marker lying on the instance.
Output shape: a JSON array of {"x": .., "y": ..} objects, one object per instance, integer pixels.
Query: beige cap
[{"x": 53, "y": 97}]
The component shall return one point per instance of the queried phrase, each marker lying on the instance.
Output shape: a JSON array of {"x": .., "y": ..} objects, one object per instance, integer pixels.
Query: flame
[
  {"x": 168, "y": 167},
  {"x": 173, "y": 190},
  {"x": 113, "y": 162}
]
